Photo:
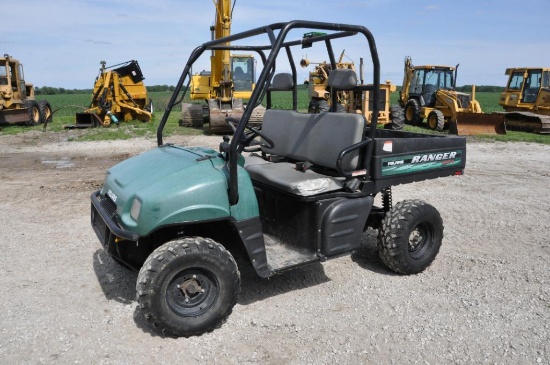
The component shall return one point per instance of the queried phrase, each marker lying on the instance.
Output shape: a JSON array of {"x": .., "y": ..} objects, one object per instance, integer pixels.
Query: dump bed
[{"x": 404, "y": 157}]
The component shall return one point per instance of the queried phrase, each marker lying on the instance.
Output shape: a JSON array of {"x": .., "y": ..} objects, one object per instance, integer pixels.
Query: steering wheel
[{"x": 247, "y": 138}]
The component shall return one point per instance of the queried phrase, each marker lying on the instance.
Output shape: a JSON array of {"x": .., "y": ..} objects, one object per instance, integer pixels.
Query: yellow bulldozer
[
  {"x": 119, "y": 94},
  {"x": 352, "y": 101},
  {"x": 428, "y": 92},
  {"x": 17, "y": 101},
  {"x": 224, "y": 88},
  {"x": 526, "y": 99}
]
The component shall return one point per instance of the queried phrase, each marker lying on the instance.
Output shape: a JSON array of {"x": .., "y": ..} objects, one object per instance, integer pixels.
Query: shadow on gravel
[
  {"x": 254, "y": 288},
  {"x": 117, "y": 282},
  {"x": 367, "y": 257}
]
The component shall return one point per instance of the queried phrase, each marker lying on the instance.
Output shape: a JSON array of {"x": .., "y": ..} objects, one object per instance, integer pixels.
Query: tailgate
[{"x": 417, "y": 157}]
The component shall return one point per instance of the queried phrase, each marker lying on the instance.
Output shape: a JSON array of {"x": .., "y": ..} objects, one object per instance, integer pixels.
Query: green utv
[{"x": 298, "y": 190}]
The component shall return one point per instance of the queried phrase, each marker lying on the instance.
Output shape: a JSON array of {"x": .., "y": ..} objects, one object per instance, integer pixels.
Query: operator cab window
[
  {"x": 3, "y": 75},
  {"x": 516, "y": 80}
]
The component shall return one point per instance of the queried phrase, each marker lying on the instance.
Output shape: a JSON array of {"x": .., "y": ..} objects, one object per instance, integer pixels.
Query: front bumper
[{"x": 103, "y": 219}]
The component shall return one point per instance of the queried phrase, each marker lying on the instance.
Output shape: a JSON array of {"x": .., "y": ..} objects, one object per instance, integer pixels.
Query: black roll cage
[{"x": 277, "y": 43}]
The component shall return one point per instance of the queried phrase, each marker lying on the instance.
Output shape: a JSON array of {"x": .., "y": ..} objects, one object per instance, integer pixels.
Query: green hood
[{"x": 173, "y": 185}]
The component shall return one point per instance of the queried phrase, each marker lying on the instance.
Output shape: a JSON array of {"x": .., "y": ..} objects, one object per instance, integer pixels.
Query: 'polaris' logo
[
  {"x": 434, "y": 157},
  {"x": 112, "y": 195}
]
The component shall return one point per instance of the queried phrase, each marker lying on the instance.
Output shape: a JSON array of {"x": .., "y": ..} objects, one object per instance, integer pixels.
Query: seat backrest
[
  {"x": 342, "y": 79},
  {"x": 282, "y": 82},
  {"x": 316, "y": 138}
]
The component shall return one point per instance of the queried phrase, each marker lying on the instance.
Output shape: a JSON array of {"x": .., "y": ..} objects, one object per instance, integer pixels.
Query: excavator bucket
[{"x": 470, "y": 124}]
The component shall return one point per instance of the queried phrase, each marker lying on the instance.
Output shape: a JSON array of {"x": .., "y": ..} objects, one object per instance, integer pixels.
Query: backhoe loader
[
  {"x": 526, "y": 99},
  {"x": 119, "y": 94},
  {"x": 17, "y": 102},
  {"x": 429, "y": 92},
  {"x": 223, "y": 88}
]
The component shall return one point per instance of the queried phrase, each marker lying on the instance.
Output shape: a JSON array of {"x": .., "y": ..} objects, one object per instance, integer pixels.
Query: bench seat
[{"x": 314, "y": 138}]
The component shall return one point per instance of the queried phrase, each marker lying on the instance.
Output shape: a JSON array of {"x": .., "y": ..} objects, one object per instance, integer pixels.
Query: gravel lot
[{"x": 485, "y": 300}]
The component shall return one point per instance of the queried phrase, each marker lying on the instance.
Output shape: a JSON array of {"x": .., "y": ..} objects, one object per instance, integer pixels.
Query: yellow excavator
[
  {"x": 526, "y": 99},
  {"x": 428, "y": 92},
  {"x": 223, "y": 88}
]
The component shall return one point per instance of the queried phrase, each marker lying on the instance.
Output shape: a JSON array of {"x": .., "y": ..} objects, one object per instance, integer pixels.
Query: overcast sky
[{"x": 61, "y": 42}]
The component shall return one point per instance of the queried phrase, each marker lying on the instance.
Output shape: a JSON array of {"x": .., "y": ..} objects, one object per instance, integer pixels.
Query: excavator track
[
  {"x": 527, "y": 121},
  {"x": 192, "y": 115}
]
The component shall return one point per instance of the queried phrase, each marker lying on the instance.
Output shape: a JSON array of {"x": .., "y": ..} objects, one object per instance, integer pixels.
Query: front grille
[{"x": 108, "y": 205}]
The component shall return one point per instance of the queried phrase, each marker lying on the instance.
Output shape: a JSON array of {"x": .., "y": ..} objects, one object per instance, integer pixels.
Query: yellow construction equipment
[
  {"x": 17, "y": 101},
  {"x": 526, "y": 99},
  {"x": 223, "y": 88},
  {"x": 352, "y": 101},
  {"x": 428, "y": 92},
  {"x": 119, "y": 94}
]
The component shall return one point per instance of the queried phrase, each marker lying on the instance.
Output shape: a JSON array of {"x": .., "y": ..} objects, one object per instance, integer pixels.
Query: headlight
[{"x": 136, "y": 209}]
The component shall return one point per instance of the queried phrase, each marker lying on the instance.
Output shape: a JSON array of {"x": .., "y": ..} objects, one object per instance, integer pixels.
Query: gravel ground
[{"x": 485, "y": 300}]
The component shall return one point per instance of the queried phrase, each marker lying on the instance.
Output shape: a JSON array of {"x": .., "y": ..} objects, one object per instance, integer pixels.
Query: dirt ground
[{"x": 485, "y": 300}]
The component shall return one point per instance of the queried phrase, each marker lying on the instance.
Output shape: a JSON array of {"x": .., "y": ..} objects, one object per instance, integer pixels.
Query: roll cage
[{"x": 277, "y": 34}]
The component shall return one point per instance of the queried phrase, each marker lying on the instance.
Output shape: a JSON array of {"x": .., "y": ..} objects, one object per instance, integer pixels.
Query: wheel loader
[
  {"x": 428, "y": 92},
  {"x": 526, "y": 99},
  {"x": 17, "y": 101},
  {"x": 354, "y": 101},
  {"x": 226, "y": 86},
  {"x": 119, "y": 94}
]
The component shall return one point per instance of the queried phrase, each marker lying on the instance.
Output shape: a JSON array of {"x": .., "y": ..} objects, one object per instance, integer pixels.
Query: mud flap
[{"x": 471, "y": 124}]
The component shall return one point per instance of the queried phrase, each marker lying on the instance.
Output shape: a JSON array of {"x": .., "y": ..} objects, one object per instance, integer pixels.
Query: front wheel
[
  {"x": 436, "y": 120},
  {"x": 188, "y": 286},
  {"x": 410, "y": 237}
]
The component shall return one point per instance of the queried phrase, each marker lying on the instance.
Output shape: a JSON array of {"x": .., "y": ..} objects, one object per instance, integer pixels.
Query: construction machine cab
[
  {"x": 426, "y": 80},
  {"x": 242, "y": 69},
  {"x": 526, "y": 99}
]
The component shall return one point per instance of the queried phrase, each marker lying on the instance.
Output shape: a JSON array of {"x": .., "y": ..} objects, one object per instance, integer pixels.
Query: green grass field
[{"x": 65, "y": 106}]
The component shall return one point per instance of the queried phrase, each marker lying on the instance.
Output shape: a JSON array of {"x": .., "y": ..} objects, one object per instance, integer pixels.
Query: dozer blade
[{"x": 471, "y": 124}]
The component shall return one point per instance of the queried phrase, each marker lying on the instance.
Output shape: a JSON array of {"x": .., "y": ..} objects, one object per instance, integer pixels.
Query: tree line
[{"x": 48, "y": 90}]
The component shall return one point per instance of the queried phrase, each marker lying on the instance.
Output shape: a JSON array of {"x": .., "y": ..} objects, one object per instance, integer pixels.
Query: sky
[{"x": 61, "y": 42}]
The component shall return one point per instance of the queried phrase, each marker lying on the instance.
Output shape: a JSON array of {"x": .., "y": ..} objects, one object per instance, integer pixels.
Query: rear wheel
[
  {"x": 436, "y": 120},
  {"x": 188, "y": 286},
  {"x": 45, "y": 111},
  {"x": 412, "y": 112},
  {"x": 34, "y": 112},
  {"x": 410, "y": 237},
  {"x": 397, "y": 116}
]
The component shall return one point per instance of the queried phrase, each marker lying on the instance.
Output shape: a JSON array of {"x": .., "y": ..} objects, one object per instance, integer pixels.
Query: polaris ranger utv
[{"x": 300, "y": 190}]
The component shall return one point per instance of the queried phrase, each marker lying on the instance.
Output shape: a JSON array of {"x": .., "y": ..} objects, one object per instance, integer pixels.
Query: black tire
[
  {"x": 412, "y": 112},
  {"x": 436, "y": 120},
  {"x": 397, "y": 117},
  {"x": 410, "y": 237},
  {"x": 318, "y": 106},
  {"x": 34, "y": 113},
  {"x": 211, "y": 280},
  {"x": 45, "y": 111},
  {"x": 340, "y": 108}
]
